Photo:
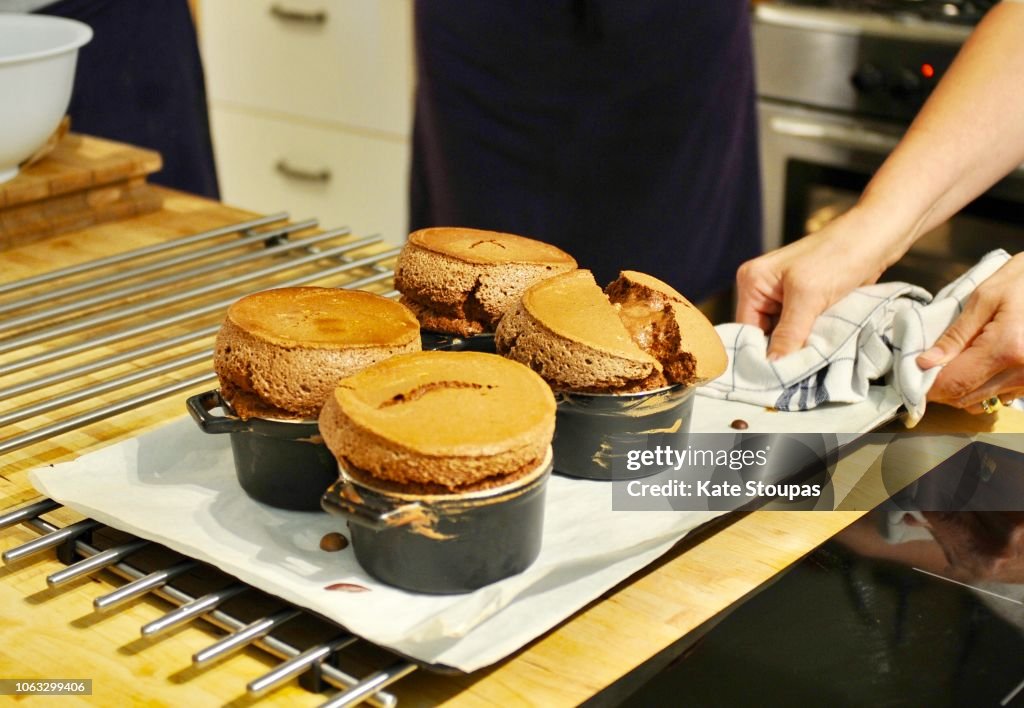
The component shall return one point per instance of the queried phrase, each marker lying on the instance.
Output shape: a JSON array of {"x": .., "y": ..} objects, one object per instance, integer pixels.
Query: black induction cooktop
[{"x": 919, "y": 603}]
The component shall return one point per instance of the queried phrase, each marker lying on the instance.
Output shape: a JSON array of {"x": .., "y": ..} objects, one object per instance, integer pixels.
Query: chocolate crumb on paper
[
  {"x": 347, "y": 587},
  {"x": 333, "y": 541}
]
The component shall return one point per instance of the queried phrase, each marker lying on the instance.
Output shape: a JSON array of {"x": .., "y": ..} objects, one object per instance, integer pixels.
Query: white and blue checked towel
[{"x": 875, "y": 332}]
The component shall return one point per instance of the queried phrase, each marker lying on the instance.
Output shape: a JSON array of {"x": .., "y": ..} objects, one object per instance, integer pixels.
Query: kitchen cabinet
[{"x": 311, "y": 108}]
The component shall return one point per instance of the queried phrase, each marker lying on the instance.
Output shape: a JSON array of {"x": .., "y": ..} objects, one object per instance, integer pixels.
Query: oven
[{"x": 838, "y": 83}]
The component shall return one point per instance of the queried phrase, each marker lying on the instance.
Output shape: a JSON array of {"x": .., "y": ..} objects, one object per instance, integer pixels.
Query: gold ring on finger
[{"x": 991, "y": 405}]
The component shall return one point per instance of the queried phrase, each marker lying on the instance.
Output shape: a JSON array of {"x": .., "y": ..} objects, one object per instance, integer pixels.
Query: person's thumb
[
  {"x": 977, "y": 313},
  {"x": 795, "y": 323}
]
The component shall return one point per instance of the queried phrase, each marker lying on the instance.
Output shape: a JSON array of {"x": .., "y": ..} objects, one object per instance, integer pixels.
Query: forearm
[{"x": 969, "y": 134}]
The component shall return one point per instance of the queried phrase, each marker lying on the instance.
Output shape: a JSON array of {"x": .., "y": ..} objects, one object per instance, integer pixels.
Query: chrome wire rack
[
  {"x": 312, "y": 649},
  {"x": 162, "y": 305},
  {"x": 157, "y": 305}
]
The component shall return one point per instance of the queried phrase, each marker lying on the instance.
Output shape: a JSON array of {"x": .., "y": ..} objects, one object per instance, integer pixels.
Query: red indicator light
[{"x": 927, "y": 71}]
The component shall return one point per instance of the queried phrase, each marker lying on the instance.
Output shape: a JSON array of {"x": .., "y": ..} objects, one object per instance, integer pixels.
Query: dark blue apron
[
  {"x": 140, "y": 80},
  {"x": 624, "y": 131}
]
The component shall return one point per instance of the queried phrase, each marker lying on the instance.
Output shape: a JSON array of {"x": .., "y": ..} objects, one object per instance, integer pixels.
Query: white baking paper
[
  {"x": 177, "y": 486},
  {"x": 713, "y": 415}
]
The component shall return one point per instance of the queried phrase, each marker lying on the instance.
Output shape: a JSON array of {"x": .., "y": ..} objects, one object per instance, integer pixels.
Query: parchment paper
[{"x": 177, "y": 486}]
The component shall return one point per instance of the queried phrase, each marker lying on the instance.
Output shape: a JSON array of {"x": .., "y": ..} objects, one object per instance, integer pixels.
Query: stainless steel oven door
[{"x": 815, "y": 165}]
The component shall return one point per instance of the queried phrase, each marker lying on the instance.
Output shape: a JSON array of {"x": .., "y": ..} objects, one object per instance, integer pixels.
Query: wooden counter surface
[{"x": 54, "y": 633}]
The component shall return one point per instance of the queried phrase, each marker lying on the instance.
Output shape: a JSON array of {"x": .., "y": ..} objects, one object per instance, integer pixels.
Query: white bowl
[{"x": 37, "y": 71}]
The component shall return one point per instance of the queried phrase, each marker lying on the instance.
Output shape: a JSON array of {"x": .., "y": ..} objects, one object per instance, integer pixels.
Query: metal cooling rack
[
  {"x": 156, "y": 304},
  {"x": 164, "y": 297},
  {"x": 316, "y": 662}
]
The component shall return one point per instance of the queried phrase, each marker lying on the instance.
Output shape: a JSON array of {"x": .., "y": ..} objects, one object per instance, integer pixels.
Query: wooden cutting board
[{"x": 84, "y": 181}]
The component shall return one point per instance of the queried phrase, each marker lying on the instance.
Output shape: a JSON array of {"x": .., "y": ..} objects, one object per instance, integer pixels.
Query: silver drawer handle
[
  {"x": 287, "y": 170},
  {"x": 315, "y": 17}
]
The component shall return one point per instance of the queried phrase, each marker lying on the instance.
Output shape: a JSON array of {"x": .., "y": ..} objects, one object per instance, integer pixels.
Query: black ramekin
[
  {"x": 281, "y": 463},
  {"x": 443, "y": 543},
  {"x": 594, "y": 432},
  {"x": 430, "y": 341}
]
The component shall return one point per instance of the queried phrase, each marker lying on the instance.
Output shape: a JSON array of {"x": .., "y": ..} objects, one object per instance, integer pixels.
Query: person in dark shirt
[
  {"x": 140, "y": 81},
  {"x": 623, "y": 132}
]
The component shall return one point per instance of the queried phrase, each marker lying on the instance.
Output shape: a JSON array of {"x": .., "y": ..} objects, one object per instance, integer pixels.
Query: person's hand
[
  {"x": 985, "y": 546},
  {"x": 983, "y": 350},
  {"x": 785, "y": 290}
]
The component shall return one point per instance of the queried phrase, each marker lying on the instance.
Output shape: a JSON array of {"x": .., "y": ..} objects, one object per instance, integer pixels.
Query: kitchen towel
[{"x": 874, "y": 333}]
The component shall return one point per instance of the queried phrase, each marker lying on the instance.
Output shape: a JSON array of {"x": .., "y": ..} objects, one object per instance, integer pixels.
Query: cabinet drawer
[
  {"x": 344, "y": 61},
  {"x": 341, "y": 178}
]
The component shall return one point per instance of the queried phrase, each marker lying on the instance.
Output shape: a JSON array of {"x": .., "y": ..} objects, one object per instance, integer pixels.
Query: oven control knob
[
  {"x": 906, "y": 83},
  {"x": 868, "y": 77}
]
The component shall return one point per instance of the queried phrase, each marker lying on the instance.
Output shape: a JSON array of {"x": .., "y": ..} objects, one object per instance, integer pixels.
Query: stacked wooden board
[{"x": 84, "y": 181}]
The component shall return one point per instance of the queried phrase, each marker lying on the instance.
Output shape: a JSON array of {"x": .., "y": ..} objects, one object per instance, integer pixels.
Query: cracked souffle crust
[
  {"x": 669, "y": 327},
  {"x": 440, "y": 420},
  {"x": 567, "y": 331},
  {"x": 461, "y": 281},
  {"x": 638, "y": 335},
  {"x": 279, "y": 353}
]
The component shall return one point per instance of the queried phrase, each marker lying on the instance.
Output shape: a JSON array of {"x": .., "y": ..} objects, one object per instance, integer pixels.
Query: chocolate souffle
[
  {"x": 461, "y": 281},
  {"x": 280, "y": 353},
  {"x": 639, "y": 334},
  {"x": 440, "y": 422}
]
